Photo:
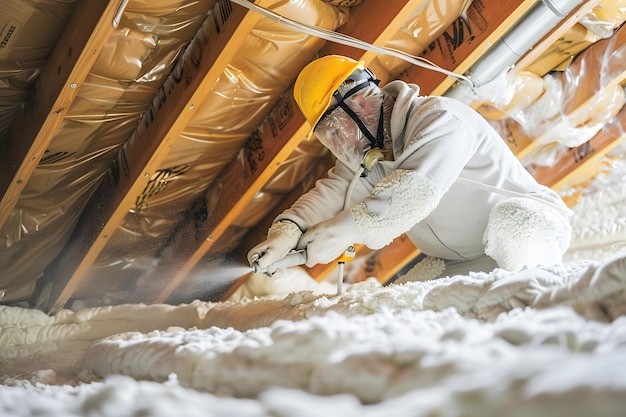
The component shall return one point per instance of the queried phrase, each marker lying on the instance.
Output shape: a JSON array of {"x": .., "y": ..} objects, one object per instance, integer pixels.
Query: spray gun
[
  {"x": 293, "y": 258},
  {"x": 298, "y": 257}
]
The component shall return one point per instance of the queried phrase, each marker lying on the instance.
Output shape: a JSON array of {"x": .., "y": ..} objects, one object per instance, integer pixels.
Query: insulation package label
[
  {"x": 13, "y": 16},
  {"x": 18, "y": 33},
  {"x": 9, "y": 28}
]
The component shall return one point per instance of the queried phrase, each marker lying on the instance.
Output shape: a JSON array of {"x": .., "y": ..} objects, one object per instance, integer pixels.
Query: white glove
[
  {"x": 329, "y": 239},
  {"x": 282, "y": 237}
]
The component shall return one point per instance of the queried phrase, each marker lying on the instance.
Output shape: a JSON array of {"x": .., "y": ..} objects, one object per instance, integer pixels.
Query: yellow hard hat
[{"x": 316, "y": 83}]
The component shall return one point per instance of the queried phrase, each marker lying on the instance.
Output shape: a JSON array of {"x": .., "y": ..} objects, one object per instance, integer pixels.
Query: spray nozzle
[{"x": 293, "y": 258}]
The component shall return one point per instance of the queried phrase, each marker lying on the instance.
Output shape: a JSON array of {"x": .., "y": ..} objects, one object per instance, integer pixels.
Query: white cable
[
  {"x": 357, "y": 175},
  {"x": 349, "y": 40}
]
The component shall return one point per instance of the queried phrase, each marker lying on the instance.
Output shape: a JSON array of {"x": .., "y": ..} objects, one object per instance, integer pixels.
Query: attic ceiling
[{"x": 147, "y": 145}]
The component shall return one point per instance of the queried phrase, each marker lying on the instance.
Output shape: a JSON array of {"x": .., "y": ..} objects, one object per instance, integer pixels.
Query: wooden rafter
[
  {"x": 186, "y": 87},
  {"x": 52, "y": 95},
  {"x": 386, "y": 19}
]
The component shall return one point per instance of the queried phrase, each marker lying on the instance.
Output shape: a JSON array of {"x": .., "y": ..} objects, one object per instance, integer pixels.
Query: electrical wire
[{"x": 350, "y": 41}]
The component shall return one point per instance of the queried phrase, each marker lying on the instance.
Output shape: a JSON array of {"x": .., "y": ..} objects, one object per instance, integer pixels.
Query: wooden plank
[
  {"x": 186, "y": 87},
  {"x": 255, "y": 164},
  {"x": 465, "y": 41},
  {"x": 52, "y": 95},
  {"x": 256, "y": 171},
  {"x": 581, "y": 163}
]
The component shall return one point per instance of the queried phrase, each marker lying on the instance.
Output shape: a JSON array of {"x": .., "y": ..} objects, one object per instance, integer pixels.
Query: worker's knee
[{"x": 524, "y": 232}]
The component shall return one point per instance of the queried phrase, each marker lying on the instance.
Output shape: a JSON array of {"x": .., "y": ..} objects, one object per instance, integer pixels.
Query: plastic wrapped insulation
[
  {"x": 508, "y": 94},
  {"x": 24, "y": 51},
  {"x": 124, "y": 79},
  {"x": 591, "y": 96},
  {"x": 266, "y": 65},
  {"x": 563, "y": 109},
  {"x": 429, "y": 20},
  {"x": 605, "y": 17}
]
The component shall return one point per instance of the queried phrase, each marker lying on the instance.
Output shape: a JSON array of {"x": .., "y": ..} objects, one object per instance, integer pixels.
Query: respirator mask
[{"x": 354, "y": 122}]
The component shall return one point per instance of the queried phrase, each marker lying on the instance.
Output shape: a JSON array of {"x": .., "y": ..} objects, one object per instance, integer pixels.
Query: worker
[{"x": 426, "y": 166}]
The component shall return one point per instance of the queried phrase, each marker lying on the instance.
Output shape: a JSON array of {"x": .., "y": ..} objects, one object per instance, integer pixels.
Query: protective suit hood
[{"x": 404, "y": 96}]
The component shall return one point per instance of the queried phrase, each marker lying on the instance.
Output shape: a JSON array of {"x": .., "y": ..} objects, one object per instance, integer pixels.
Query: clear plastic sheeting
[
  {"x": 592, "y": 95},
  {"x": 605, "y": 17},
  {"x": 266, "y": 65},
  {"x": 509, "y": 94},
  {"x": 562, "y": 109},
  {"x": 124, "y": 80}
]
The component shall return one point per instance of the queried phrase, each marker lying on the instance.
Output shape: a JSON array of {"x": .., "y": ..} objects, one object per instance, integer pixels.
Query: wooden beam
[
  {"x": 255, "y": 164},
  {"x": 187, "y": 86},
  {"x": 465, "y": 41},
  {"x": 386, "y": 18},
  {"x": 52, "y": 95}
]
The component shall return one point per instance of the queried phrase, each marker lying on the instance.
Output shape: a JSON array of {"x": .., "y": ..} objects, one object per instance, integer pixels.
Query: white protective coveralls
[{"x": 450, "y": 170}]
